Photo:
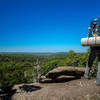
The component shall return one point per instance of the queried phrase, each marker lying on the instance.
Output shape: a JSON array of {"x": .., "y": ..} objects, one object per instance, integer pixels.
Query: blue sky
[{"x": 45, "y": 25}]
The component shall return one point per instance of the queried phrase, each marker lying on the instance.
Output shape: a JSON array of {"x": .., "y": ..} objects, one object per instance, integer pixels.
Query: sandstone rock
[
  {"x": 70, "y": 71},
  {"x": 61, "y": 78}
]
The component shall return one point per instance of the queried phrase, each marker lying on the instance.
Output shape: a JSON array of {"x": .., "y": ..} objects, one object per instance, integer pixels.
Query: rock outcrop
[{"x": 62, "y": 74}]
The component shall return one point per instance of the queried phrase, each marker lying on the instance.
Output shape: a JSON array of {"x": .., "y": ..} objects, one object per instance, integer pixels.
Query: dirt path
[{"x": 81, "y": 89}]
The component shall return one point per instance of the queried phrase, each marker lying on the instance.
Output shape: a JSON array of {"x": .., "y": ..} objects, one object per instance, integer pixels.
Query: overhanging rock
[{"x": 70, "y": 71}]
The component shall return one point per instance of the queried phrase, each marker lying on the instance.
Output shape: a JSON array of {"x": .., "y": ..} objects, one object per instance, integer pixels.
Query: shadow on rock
[
  {"x": 7, "y": 93},
  {"x": 29, "y": 88}
]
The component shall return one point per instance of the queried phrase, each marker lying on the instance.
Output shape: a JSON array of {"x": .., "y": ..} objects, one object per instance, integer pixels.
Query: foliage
[
  {"x": 73, "y": 59},
  {"x": 27, "y": 68}
]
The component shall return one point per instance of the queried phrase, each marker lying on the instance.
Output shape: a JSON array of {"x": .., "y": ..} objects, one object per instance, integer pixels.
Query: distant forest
[{"x": 27, "y": 68}]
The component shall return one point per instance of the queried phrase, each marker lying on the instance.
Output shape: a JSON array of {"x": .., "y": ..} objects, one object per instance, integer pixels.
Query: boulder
[{"x": 69, "y": 71}]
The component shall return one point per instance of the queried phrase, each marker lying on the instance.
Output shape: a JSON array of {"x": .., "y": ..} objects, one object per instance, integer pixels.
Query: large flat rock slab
[{"x": 72, "y": 71}]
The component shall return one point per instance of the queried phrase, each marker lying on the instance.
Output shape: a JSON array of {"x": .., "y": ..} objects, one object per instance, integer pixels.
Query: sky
[{"x": 45, "y": 25}]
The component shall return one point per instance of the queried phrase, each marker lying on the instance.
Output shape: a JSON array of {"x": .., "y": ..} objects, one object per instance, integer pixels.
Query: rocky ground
[{"x": 80, "y": 89}]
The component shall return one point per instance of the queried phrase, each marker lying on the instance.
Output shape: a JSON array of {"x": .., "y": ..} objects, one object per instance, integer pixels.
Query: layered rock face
[{"x": 61, "y": 74}]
